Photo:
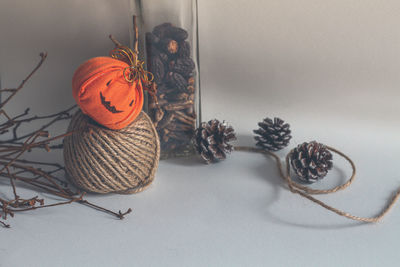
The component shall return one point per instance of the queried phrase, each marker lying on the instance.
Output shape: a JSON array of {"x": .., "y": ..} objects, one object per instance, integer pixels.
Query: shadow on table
[
  {"x": 193, "y": 161},
  {"x": 341, "y": 178},
  {"x": 276, "y": 181},
  {"x": 269, "y": 173}
]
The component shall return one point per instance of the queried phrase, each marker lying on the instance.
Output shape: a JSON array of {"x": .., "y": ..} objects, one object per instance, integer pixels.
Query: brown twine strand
[
  {"x": 103, "y": 160},
  {"x": 306, "y": 192}
]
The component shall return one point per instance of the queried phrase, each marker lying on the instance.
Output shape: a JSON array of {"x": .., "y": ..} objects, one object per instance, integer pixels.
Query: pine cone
[
  {"x": 311, "y": 161},
  {"x": 212, "y": 139},
  {"x": 273, "y": 135}
]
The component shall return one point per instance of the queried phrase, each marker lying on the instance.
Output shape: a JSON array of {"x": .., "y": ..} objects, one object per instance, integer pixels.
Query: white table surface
[{"x": 235, "y": 213}]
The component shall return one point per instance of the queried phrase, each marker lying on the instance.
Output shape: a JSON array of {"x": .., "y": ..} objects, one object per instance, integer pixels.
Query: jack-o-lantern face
[{"x": 100, "y": 89}]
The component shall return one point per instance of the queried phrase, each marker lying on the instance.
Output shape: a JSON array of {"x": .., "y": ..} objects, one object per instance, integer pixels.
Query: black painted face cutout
[{"x": 108, "y": 106}]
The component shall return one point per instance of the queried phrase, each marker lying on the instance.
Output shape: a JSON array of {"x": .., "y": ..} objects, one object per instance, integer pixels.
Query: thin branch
[
  {"x": 12, "y": 183},
  {"x": 50, "y": 205},
  {"x": 112, "y": 38},
  {"x": 119, "y": 215},
  {"x": 19, "y": 171},
  {"x": 14, "y": 92},
  {"x": 136, "y": 32},
  {"x": 63, "y": 115},
  {"x": 5, "y": 225}
]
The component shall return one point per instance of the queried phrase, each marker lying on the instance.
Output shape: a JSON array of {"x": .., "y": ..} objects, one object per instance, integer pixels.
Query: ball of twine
[{"x": 101, "y": 160}]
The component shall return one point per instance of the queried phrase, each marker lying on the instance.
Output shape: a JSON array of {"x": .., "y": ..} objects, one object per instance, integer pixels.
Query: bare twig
[
  {"x": 136, "y": 32},
  {"x": 4, "y": 224},
  {"x": 115, "y": 41},
  {"x": 15, "y": 91},
  {"x": 18, "y": 170}
]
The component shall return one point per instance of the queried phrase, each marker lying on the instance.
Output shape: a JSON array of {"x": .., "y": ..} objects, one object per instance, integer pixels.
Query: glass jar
[{"x": 170, "y": 33}]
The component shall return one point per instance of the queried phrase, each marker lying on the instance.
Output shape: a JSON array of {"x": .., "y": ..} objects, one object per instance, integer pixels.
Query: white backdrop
[
  {"x": 311, "y": 59},
  {"x": 330, "y": 68}
]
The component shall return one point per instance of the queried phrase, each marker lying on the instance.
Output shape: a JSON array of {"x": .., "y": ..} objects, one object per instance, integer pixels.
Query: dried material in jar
[
  {"x": 176, "y": 80},
  {"x": 184, "y": 49},
  {"x": 183, "y": 66},
  {"x": 161, "y": 30},
  {"x": 156, "y": 66},
  {"x": 151, "y": 38},
  {"x": 176, "y": 33},
  {"x": 169, "y": 45},
  {"x": 169, "y": 58},
  {"x": 164, "y": 57}
]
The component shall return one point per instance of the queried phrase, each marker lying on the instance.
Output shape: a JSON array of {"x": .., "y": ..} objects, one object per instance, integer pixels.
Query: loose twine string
[{"x": 306, "y": 192}]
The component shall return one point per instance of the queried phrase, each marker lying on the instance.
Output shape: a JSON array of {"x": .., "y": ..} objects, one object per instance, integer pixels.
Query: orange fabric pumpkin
[{"x": 100, "y": 89}]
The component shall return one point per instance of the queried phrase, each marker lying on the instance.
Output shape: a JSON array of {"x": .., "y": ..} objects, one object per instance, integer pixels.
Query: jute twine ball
[{"x": 102, "y": 160}]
